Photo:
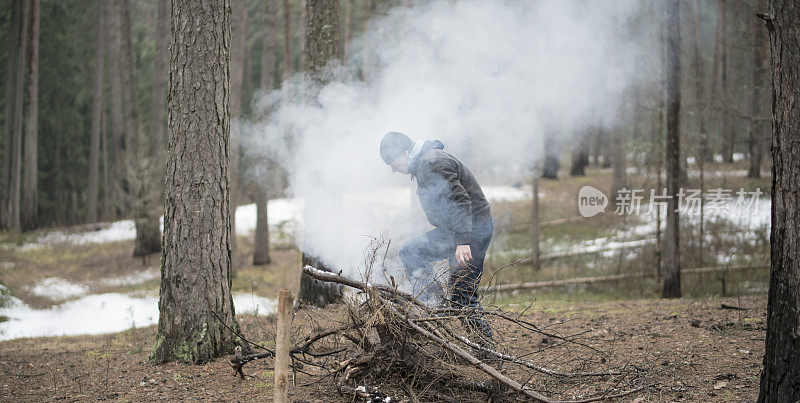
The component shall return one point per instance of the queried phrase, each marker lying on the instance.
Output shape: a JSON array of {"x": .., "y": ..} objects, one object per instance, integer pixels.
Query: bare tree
[
  {"x": 195, "y": 304},
  {"x": 97, "y": 117},
  {"x": 780, "y": 380},
  {"x": 672, "y": 279}
]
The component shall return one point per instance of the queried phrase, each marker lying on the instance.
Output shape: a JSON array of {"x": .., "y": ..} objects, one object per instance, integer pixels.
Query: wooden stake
[{"x": 285, "y": 303}]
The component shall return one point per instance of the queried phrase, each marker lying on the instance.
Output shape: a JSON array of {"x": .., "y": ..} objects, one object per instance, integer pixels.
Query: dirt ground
[{"x": 708, "y": 353}]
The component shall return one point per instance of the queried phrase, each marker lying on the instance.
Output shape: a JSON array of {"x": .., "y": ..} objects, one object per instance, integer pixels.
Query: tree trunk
[
  {"x": 238, "y": 44},
  {"x": 323, "y": 43},
  {"x": 535, "y": 220},
  {"x": 30, "y": 198},
  {"x": 672, "y": 279},
  {"x": 195, "y": 296},
  {"x": 117, "y": 115},
  {"x": 618, "y": 162},
  {"x": 755, "y": 139},
  {"x": 348, "y": 13},
  {"x": 104, "y": 145},
  {"x": 369, "y": 8},
  {"x": 261, "y": 192},
  {"x": 270, "y": 46},
  {"x": 580, "y": 157},
  {"x": 287, "y": 40},
  {"x": 11, "y": 114},
  {"x": 718, "y": 86},
  {"x": 699, "y": 93},
  {"x": 158, "y": 122},
  {"x": 301, "y": 33},
  {"x": 550, "y": 166},
  {"x": 97, "y": 116},
  {"x": 261, "y": 247},
  {"x": 16, "y": 144},
  {"x": 780, "y": 380},
  {"x": 140, "y": 167},
  {"x": 131, "y": 127}
]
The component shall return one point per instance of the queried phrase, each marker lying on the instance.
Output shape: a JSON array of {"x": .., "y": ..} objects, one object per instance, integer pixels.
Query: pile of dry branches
[{"x": 388, "y": 343}]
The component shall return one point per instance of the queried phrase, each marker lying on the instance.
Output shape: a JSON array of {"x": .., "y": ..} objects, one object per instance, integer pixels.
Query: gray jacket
[{"x": 448, "y": 192}]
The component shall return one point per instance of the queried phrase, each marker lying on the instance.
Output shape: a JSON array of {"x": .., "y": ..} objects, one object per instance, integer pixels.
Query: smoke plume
[{"x": 490, "y": 79}]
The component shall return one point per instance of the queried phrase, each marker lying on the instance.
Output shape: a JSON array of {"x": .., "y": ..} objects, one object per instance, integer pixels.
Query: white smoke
[{"x": 489, "y": 78}]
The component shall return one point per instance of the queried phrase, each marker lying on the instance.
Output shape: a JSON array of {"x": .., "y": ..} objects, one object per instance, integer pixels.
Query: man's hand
[{"x": 463, "y": 254}]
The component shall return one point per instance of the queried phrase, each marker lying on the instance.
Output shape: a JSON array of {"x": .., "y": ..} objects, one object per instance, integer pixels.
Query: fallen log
[{"x": 599, "y": 279}]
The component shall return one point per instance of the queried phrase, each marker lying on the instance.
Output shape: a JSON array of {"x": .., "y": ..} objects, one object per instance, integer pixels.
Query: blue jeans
[{"x": 419, "y": 253}]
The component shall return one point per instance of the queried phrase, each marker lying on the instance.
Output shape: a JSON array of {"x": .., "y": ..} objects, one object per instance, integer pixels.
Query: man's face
[{"x": 400, "y": 163}]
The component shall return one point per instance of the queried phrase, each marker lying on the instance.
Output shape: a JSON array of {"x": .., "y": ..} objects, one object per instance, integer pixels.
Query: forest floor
[
  {"x": 704, "y": 352},
  {"x": 708, "y": 354}
]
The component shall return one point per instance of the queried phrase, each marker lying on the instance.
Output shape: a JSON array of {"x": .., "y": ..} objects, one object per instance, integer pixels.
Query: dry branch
[
  {"x": 406, "y": 326},
  {"x": 389, "y": 339}
]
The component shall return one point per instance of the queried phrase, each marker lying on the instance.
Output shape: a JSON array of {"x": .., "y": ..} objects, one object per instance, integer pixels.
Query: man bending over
[{"x": 454, "y": 203}]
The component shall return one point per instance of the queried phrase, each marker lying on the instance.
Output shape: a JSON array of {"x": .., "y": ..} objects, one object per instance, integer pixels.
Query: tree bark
[
  {"x": 757, "y": 133},
  {"x": 672, "y": 279},
  {"x": 10, "y": 110},
  {"x": 97, "y": 116},
  {"x": 780, "y": 380},
  {"x": 140, "y": 167},
  {"x": 323, "y": 44},
  {"x": 195, "y": 296}
]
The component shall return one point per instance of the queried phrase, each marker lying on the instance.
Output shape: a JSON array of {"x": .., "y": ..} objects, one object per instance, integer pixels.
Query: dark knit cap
[{"x": 393, "y": 145}]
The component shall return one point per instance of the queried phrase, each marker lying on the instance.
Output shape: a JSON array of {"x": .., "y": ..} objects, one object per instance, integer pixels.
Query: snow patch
[
  {"x": 99, "y": 314},
  {"x": 57, "y": 289}
]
